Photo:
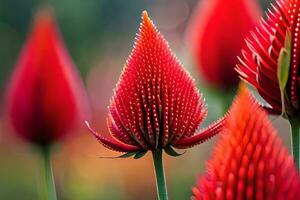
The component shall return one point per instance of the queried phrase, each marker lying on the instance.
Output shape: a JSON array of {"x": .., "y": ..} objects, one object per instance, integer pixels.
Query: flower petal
[
  {"x": 202, "y": 136},
  {"x": 112, "y": 144}
]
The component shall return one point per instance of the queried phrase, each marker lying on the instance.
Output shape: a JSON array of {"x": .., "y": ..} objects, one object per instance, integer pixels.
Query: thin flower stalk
[{"x": 156, "y": 106}]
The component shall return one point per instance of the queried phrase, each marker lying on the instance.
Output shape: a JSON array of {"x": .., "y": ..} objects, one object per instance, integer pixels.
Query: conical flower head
[
  {"x": 156, "y": 104},
  {"x": 271, "y": 60},
  {"x": 45, "y": 97},
  {"x": 249, "y": 162},
  {"x": 215, "y": 37}
]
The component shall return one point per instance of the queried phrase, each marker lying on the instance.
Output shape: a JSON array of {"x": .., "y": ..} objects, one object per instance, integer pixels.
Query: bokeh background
[{"x": 99, "y": 35}]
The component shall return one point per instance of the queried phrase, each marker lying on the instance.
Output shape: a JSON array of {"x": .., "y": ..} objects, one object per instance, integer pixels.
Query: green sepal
[
  {"x": 140, "y": 154},
  {"x": 171, "y": 152},
  {"x": 127, "y": 155},
  {"x": 134, "y": 154},
  {"x": 284, "y": 62},
  {"x": 283, "y": 69}
]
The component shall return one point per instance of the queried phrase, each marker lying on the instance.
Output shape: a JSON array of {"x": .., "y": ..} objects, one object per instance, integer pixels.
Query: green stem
[
  {"x": 295, "y": 140},
  {"x": 161, "y": 185},
  {"x": 225, "y": 99},
  {"x": 226, "y": 102},
  {"x": 50, "y": 185}
]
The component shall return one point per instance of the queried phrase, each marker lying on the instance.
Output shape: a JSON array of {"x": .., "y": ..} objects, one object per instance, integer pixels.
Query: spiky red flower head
[
  {"x": 215, "y": 36},
  {"x": 45, "y": 97},
  {"x": 271, "y": 60},
  {"x": 156, "y": 104},
  {"x": 249, "y": 161}
]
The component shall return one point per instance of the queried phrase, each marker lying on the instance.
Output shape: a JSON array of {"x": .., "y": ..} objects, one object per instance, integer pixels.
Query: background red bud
[
  {"x": 45, "y": 97},
  {"x": 216, "y": 36}
]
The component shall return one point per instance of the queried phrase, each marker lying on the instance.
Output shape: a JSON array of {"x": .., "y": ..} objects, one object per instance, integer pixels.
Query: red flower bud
[
  {"x": 45, "y": 96},
  {"x": 156, "y": 104},
  {"x": 216, "y": 36},
  {"x": 249, "y": 161},
  {"x": 271, "y": 60}
]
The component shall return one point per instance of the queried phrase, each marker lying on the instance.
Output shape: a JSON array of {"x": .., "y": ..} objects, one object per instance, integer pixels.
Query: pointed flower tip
[
  {"x": 147, "y": 23},
  {"x": 45, "y": 11},
  {"x": 249, "y": 159},
  {"x": 44, "y": 15},
  {"x": 242, "y": 102},
  {"x": 242, "y": 87},
  {"x": 145, "y": 15},
  {"x": 89, "y": 127}
]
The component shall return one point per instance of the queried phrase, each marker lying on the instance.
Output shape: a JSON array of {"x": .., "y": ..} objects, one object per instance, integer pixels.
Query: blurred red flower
[
  {"x": 156, "y": 104},
  {"x": 249, "y": 162},
  {"x": 216, "y": 36},
  {"x": 45, "y": 98},
  {"x": 275, "y": 43}
]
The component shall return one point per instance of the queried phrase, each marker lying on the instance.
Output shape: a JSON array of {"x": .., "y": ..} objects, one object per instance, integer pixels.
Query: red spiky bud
[
  {"x": 215, "y": 36},
  {"x": 249, "y": 161},
  {"x": 276, "y": 39},
  {"x": 156, "y": 103},
  {"x": 45, "y": 97}
]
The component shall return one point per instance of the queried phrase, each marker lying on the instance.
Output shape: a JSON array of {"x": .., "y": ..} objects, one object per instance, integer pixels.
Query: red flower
[
  {"x": 275, "y": 43},
  {"x": 216, "y": 37},
  {"x": 156, "y": 104},
  {"x": 250, "y": 161},
  {"x": 45, "y": 96}
]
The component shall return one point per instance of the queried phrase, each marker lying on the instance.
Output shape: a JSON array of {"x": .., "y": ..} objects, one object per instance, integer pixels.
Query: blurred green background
[{"x": 99, "y": 35}]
